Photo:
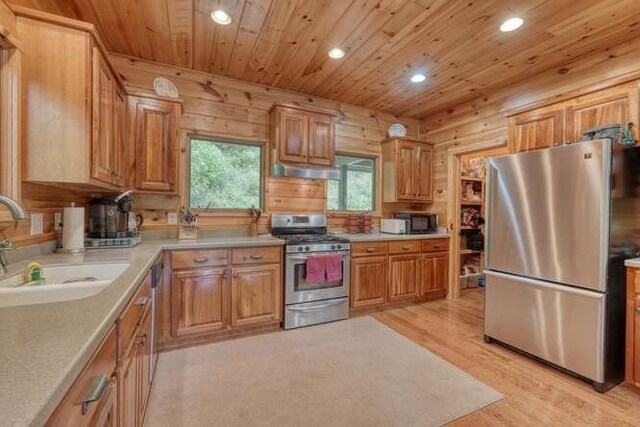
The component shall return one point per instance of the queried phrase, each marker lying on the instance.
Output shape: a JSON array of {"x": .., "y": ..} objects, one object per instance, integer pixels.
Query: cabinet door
[
  {"x": 405, "y": 171},
  {"x": 102, "y": 141},
  {"x": 611, "y": 106},
  {"x": 143, "y": 359},
  {"x": 404, "y": 277},
  {"x": 536, "y": 130},
  {"x": 368, "y": 281},
  {"x": 128, "y": 383},
  {"x": 321, "y": 140},
  {"x": 636, "y": 343},
  {"x": 294, "y": 136},
  {"x": 200, "y": 302},
  {"x": 256, "y": 295},
  {"x": 435, "y": 274},
  {"x": 156, "y": 145},
  {"x": 424, "y": 174},
  {"x": 119, "y": 147}
]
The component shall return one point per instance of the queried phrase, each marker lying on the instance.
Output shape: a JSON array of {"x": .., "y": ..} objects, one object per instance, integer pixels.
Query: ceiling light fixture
[
  {"x": 336, "y": 53},
  {"x": 418, "y": 78},
  {"x": 511, "y": 24},
  {"x": 221, "y": 17}
]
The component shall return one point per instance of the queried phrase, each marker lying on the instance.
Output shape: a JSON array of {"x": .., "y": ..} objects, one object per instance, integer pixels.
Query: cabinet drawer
[
  {"x": 256, "y": 255},
  {"x": 131, "y": 316},
  {"x": 93, "y": 387},
  {"x": 435, "y": 245},
  {"x": 195, "y": 259},
  {"x": 369, "y": 248},
  {"x": 404, "y": 247}
]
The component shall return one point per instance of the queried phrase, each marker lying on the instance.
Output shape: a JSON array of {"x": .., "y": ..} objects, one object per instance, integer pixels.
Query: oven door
[{"x": 299, "y": 290}]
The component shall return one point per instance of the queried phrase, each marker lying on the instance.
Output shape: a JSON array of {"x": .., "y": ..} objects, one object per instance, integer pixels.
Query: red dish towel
[
  {"x": 316, "y": 269},
  {"x": 334, "y": 267}
]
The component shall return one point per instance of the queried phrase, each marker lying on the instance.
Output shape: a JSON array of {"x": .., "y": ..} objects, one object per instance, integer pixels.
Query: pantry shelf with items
[{"x": 471, "y": 221}]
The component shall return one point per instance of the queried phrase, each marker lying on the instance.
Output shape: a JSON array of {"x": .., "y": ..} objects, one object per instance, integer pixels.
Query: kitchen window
[
  {"x": 224, "y": 175},
  {"x": 355, "y": 191}
]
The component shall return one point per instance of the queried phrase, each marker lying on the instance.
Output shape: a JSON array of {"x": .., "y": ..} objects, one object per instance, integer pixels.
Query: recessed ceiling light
[
  {"x": 417, "y": 78},
  {"x": 221, "y": 17},
  {"x": 336, "y": 53},
  {"x": 511, "y": 24}
]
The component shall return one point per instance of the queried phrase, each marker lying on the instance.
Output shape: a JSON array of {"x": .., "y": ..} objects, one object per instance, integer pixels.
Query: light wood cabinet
[
  {"x": 407, "y": 174},
  {"x": 157, "y": 125},
  {"x": 256, "y": 294},
  {"x": 119, "y": 138},
  {"x": 368, "y": 281},
  {"x": 200, "y": 300},
  {"x": 435, "y": 275},
  {"x": 404, "y": 277},
  {"x": 632, "y": 368},
  {"x": 70, "y": 101},
  {"x": 302, "y": 135},
  {"x": 537, "y": 129}
]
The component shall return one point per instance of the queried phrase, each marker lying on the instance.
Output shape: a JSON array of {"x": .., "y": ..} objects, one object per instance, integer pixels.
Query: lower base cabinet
[
  {"x": 435, "y": 275},
  {"x": 632, "y": 368},
  {"x": 404, "y": 277},
  {"x": 368, "y": 281},
  {"x": 256, "y": 295}
]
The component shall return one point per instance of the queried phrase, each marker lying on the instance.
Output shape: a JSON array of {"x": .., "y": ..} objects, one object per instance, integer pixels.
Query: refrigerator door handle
[{"x": 541, "y": 283}]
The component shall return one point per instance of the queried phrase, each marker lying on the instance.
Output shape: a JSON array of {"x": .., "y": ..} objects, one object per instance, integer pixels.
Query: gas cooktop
[{"x": 298, "y": 239}]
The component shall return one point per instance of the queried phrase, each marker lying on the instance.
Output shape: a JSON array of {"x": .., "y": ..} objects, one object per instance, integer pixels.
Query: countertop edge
[{"x": 633, "y": 262}]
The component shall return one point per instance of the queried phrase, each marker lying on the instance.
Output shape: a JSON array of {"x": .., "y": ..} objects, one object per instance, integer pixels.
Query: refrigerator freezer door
[
  {"x": 548, "y": 214},
  {"x": 560, "y": 324}
]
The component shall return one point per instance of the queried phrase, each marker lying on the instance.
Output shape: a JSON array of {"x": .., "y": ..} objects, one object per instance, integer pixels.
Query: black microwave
[{"x": 419, "y": 222}]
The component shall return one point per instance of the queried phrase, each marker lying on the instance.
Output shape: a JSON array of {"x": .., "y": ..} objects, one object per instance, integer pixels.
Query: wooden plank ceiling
[{"x": 284, "y": 43}]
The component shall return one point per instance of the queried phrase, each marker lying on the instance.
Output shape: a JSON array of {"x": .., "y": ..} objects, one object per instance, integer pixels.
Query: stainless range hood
[{"x": 307, "y": 171}]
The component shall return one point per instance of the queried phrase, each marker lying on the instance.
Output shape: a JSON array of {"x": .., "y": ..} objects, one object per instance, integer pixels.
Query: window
[
  {"x": 225, "y": 175},
  {"x": 355, "y": 191}
]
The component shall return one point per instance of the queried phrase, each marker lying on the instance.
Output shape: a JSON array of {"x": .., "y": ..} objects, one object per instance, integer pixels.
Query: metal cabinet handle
[
  {"x": 200, "y": 260},
  {"x": 637, "y": 309},
  {"x": 142, "y": 301},
  {"x": 406, "y": 248},
  {"x": 95, "y": 392},
  {"x": 256, "y": 256},
  {"x": 436, "y": 246},
  {"x": 371, "y": 249},
  {"x": 225, "y": 274},
  {"x": 142, "y": 339},
  {"x": 172, "y": 181}
]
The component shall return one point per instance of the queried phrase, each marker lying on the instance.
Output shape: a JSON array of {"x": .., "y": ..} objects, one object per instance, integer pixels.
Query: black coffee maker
[{"x": 113, "y": 217}]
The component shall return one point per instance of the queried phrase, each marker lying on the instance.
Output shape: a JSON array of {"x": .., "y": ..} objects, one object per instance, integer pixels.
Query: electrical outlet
[
  {"x": 36, "y": 224},
  {"x": 57, "y": 221},
  {"x": 172, "y": 218}
]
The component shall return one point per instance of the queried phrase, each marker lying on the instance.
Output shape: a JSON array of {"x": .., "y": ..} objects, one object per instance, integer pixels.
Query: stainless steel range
[{"x": 311, "y": 302}]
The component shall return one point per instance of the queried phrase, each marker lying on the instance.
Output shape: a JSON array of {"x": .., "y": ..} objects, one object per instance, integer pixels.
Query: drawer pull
[
  {"x": 142, "y": 339},
  {"x": 406, "y": 248},
  {"x": 370, "y": 249},
  {"x": 95, "y": 392},
  {"x": 142, "y": 301},
  {"x": 637, "y": 309},
  {"x": 200, "y": 260},
  {"x": 436, "y": 246},
  {"x": 256, "y": 256}
]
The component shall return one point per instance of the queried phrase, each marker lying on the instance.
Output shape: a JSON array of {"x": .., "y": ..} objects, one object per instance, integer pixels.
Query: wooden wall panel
[
  {"x": 237, "y": 110},
  {"x": 483, "y": 121}
]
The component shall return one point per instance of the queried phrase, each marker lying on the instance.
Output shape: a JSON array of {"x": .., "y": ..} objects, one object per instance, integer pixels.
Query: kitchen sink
[{"x": 62, "y": 283}]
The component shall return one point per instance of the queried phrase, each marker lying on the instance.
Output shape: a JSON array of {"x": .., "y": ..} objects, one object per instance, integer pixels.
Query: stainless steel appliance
[
  {"x": 393, "y": 226},
  {"x": 157, "y": 271},
  {"x": 560, "y": 225},
  {"x": 311, "y": 303},
  {"x": 419, "y": 222},
  {"x": 113, "y": 217}
]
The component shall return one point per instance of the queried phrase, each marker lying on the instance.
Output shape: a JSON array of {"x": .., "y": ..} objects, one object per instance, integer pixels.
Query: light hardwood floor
[{"x": 535, "y": 393}]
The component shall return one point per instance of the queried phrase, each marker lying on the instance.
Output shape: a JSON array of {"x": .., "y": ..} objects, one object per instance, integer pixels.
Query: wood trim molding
[{"x": 10, "y": 124}]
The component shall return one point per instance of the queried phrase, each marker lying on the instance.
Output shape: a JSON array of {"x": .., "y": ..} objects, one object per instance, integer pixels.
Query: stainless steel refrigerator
[{"x": 560, "y": 223}]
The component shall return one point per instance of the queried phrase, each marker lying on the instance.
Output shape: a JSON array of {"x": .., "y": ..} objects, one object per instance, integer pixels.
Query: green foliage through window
[
  {"x": 355, "y": 191},
  {"x": 225, "y": 175}
]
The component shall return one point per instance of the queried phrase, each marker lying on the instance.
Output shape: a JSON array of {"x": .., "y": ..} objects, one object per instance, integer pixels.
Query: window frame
[
  {"x": 377, "y": 182},
  {"x": 214, "y": 212}
]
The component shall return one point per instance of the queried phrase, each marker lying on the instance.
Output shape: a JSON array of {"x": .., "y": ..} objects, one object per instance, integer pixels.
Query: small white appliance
[{"x": 393, "y": 226}]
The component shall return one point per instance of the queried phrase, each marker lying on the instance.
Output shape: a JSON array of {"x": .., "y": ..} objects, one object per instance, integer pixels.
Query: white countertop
[
  {"x": 634, "y": 262},
  {"x": 43, "y": 347}
]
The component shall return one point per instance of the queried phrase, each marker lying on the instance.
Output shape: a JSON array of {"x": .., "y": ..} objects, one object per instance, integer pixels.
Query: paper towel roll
[{"x": 73, "y": 229}]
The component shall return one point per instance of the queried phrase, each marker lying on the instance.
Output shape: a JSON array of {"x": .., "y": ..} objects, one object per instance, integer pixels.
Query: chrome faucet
[{"x": 18, "y": 213}]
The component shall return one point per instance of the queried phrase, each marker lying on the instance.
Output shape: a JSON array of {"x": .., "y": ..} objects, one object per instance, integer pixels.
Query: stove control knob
[
  {"x": 339, "y": 246},
  {"x": 333, "y": 246},
  {"x": 306, "y": 248},
  {"x": 299, "y": 248}
]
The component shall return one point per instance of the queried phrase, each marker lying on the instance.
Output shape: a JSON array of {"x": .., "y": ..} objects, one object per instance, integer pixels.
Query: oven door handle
[
  {"x": 315, "y": 307},
  {"x": 304, "y": 258}
]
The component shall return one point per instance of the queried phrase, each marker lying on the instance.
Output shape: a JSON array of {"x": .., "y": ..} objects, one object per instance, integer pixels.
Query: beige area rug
[{"x": 356, "y": 372}]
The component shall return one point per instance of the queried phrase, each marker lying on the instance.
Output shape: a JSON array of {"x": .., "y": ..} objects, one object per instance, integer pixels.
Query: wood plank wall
[
  {"x": 236, "y": 110},
  {"x": 483, "y": 121}
]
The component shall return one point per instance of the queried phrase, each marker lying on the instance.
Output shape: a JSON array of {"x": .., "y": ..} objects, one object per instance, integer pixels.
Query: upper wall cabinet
[
  {"x": 566, "y": 121},
  {"x": 74, "y": 104},
  {"x": 303, "y": 136},
  {"x": 156, "y": 128},
  {"x": 407, "y": 170}
]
